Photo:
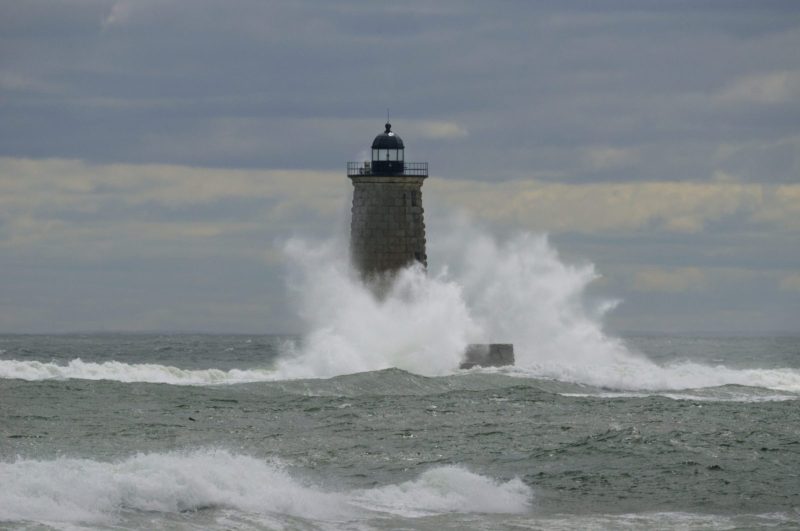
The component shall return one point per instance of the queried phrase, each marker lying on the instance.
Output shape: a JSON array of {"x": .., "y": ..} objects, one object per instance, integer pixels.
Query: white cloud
[
  {"x": 781, "y": 207},
  {"x": 791, "y": 282},
  {"x": 722, "y": 176},
  {"x": 33, "y": 191},
  {"x": 681, "y": 207},
  {"x": 58, "y": 200},
  {"x": 437, "y": 130},
  {"x": 604, "y": 158},
  {"x": 674, "y": 280},
  {"x": 118, "y": 14},
  {"x": 759, "y": 160},
  {"x": 773, "y": 87},
  {"x": 71, "y": 215}
]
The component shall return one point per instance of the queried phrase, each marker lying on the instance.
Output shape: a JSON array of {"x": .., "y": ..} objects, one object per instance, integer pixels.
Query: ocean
[
  {"x": 364, "y": 421},
  {"x": 188, "y": 432}
]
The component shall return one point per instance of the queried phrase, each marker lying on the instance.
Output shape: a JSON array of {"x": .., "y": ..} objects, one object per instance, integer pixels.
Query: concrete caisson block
[{"x": 488, "y": 355}]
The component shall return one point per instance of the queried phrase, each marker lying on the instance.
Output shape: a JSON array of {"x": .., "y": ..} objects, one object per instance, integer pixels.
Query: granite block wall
[{"x": 387, "y": 230}]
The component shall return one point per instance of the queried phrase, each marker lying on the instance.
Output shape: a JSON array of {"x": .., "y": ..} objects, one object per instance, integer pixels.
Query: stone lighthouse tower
[{"x": 387, "y": 230}]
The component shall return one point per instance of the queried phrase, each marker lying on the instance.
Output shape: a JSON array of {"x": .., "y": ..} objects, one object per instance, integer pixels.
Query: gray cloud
[
  {"x": 531, "y": 83},
  {"x": 691, "y": 108}
]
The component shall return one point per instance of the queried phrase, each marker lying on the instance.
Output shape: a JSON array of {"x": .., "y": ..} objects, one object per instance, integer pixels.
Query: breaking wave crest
[
  {"x": 127, "y": 372},
  {"x": 516, "y": 291},
  {"x": 96, "y": 492}
]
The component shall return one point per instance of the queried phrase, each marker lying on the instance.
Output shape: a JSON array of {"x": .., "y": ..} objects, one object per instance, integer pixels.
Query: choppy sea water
[
  {"x": 366, "y": 422},
  {"x": 205, "y": 432}
]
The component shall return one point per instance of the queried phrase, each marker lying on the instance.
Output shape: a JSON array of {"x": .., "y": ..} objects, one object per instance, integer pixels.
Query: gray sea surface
[{"x": 181, "y": 431}]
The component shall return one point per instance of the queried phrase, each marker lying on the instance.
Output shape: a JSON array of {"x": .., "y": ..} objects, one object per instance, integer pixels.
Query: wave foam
[
  {"x": 448, "y": 489},
  {"x": 518, "y": 291},
  {"x": 128, "y": 373},
  {"x": 421, "y": 324},
  {"x": 644, "y": 379},
  {"x": 717, "y": 394},
  {"x": 87, "y": 491},
  {"x": 635, "y": 374}
]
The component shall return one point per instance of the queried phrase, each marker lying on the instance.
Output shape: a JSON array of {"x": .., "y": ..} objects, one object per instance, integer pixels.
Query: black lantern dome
[
  {"x": 388, "y": 153},
  {"x": 388, "y": 159},
  {"x": 387, "y": 139}
]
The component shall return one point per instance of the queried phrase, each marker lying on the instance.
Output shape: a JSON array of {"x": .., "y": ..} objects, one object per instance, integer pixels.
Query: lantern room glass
[{"x": 387, "y": 154}]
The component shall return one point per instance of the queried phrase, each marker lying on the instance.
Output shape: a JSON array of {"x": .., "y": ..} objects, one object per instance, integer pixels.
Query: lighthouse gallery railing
[{"x": 410, "y": 169}]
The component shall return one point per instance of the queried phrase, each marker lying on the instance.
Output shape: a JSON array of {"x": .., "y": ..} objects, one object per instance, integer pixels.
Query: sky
[{"x": 155, "y": 156}]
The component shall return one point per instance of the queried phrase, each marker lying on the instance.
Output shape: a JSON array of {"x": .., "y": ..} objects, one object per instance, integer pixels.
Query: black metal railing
[{"x": 409, "y": 169}]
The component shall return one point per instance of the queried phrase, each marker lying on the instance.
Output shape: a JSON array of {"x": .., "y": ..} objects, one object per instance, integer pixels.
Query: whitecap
[{"x": 96, "y": 492}]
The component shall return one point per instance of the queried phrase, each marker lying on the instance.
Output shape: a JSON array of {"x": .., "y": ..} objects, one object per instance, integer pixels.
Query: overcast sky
[{"x": 155, "y": 154}]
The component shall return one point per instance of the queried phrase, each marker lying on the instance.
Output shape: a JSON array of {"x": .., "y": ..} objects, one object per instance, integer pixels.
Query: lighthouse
[{"x": 387, "y": 228}]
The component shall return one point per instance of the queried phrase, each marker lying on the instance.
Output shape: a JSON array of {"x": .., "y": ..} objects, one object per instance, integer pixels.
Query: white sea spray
[
  {"x": 94, "y": 492},
  {"x": 479, "y": 289},
  {"x": 514, "y": 291}
]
